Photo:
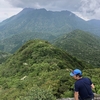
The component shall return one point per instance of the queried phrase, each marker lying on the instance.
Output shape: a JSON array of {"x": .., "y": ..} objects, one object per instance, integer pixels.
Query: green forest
[
  {"x": 40, "y": 71},
  {"x": 82, "y": 45},
  {"x": 39, "y": 49}
]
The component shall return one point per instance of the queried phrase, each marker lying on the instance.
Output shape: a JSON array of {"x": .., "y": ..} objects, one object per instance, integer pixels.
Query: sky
[{"x": 86, "y": 9}]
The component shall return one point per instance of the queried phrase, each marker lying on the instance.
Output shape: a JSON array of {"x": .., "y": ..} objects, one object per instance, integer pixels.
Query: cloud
[
  {"x": 88, "y": 9},
  {"x": 6, "y": 10},
  {"x": 48, "y": 4}
]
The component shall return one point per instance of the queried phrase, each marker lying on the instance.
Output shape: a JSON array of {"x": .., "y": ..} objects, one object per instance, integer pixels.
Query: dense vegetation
[
  {"x": 38, "y": 68},
  {"x": 82, "y": 45},
  {"x": 13, "y": 43},
  {"x": 3, "y": 56}
]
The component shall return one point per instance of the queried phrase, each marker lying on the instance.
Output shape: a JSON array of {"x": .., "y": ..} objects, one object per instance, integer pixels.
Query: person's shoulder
[
  {"x": 86, "y": 78},
  {"x": 78, "y": 81}
]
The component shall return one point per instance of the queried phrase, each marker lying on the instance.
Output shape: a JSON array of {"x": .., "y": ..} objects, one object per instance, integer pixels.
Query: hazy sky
[{"x": 87, "y": 9}]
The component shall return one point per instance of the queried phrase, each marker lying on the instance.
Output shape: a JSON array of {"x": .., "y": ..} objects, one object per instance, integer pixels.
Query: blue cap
[{"x": 76, "y": 71}]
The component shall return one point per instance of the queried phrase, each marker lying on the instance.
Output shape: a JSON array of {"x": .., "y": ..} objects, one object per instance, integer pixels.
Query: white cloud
[
  {"x": 48, "y": 4},
  {"x": 6, "y": 10},
  {"x": 90, "y": 9},
  {"x": 81, "y": 16}
]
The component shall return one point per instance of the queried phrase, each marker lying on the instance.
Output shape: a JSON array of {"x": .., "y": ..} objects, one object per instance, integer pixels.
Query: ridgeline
[
  {"x": 81, "y": 44},
  {"x": 38, "y": 64}
]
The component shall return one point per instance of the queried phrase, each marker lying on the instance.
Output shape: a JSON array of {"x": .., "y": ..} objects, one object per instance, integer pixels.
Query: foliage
[
  {"x": 37, "y": 93},
  {"x": 3, "y": 56},
  {"x": 94, "y": 75},
  {"x": 82, "y": 45},
  {"x": 38, "y": 69},
  {"x": 39, "y": 63},
  {"x": 13, "y": 43}
]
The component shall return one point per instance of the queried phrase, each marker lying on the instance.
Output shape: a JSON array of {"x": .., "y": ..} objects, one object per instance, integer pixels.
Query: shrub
[{"x": 37, "y": 93}]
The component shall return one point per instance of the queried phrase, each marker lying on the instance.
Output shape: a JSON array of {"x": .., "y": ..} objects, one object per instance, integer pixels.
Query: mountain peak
[{"x": 32, "y": 9}]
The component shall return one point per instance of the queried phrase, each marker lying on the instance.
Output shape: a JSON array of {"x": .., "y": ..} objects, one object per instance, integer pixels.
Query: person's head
[{"x": 76, "y": 74}]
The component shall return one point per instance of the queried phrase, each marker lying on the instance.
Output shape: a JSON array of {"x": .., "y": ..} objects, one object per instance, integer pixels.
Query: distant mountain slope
[
  {"x": 41, "y": 20},
  {"x": 3, "y": 57},
  {"x": 15, "y": 42},
  {"x": 38, "y": 63},
  {"x": 81, "y": 44},
  {"x": 94, "y": 22}
]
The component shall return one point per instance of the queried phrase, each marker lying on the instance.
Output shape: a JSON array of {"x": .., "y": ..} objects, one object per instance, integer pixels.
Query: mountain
[
  {"x": 40, "y": 64},
  {"x": 94, "y": 22},
  {"x": 14, "y": 42},
  {"x": 3, "y": 56},
  {"x": 41, "y": 20},
  {"x": 82, "y": 45}
]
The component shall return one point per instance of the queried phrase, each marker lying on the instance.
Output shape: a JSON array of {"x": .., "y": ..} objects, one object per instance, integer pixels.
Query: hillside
[
  {"x": 15, "y": 42},
  {"x": 82, "y": 45},
  {"x": 94, "y": 22},
  {"x": 3, "y": 56},
  {"x": 38, "y": 63},
  {"x": 41, "y": 20}
]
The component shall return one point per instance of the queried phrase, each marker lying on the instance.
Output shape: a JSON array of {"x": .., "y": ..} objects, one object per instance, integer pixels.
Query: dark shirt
[{"x": 83, "y": 86}]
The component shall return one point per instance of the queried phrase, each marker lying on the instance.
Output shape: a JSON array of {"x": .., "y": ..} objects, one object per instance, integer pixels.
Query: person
[{"x": 83, "y": 86}]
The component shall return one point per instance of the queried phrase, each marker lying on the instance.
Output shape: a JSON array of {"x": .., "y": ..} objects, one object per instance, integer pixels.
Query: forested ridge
[
  {"x": 81, "y": 44},
  {"x": 39, "y": 68}
]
